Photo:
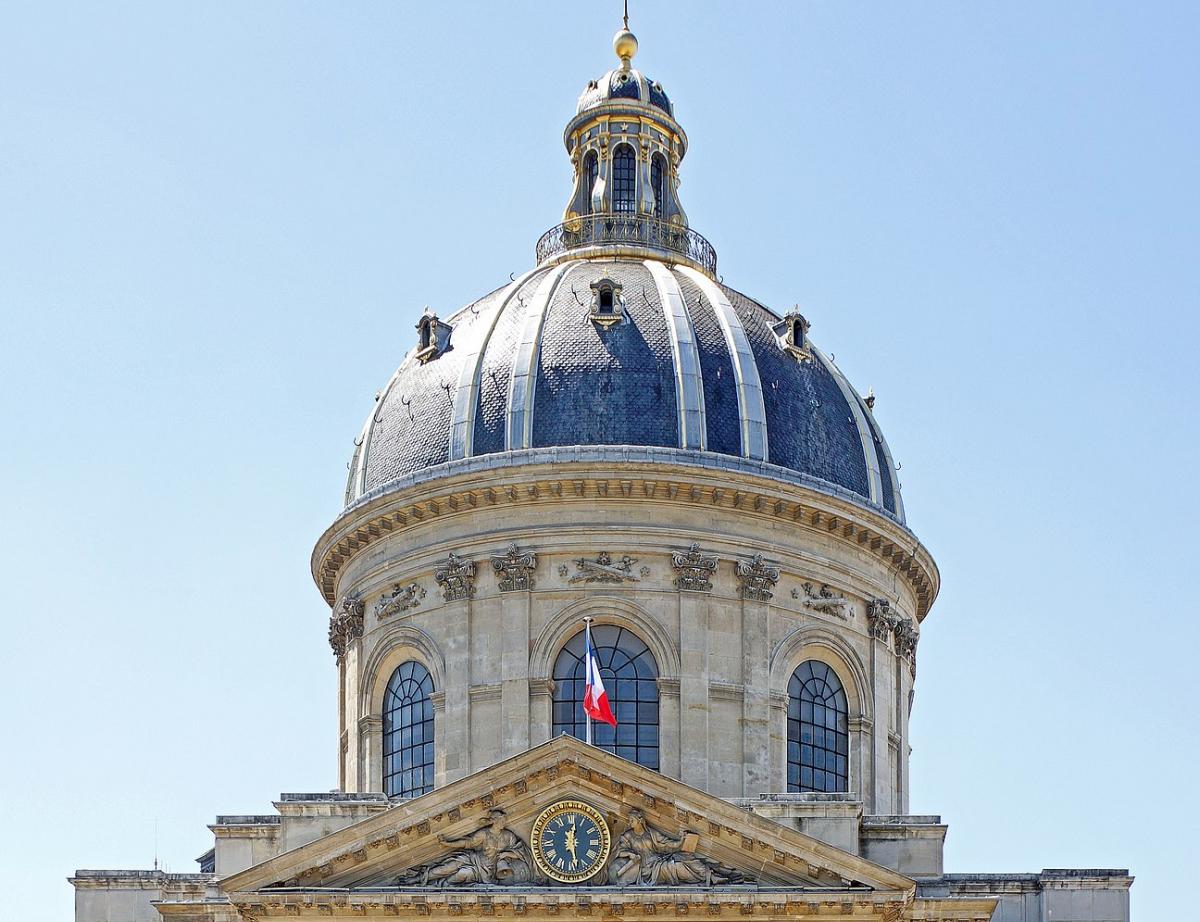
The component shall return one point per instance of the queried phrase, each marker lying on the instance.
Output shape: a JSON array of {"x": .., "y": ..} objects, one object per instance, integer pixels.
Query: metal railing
[{"x": 632, "y": 230}]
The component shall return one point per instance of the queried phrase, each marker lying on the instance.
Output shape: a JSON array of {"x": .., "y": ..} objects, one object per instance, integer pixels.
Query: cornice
[
  {"x": 669, "y": 476},
  {"x": 770, "y": 904}
]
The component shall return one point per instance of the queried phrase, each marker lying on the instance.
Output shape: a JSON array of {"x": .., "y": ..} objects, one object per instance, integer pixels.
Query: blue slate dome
[{"x": 624, "y": 352}]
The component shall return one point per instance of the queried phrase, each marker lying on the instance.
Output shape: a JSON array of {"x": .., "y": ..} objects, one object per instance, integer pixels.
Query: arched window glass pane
[
  {"x": 658, "y": 180},
  {"x": 591, "y": 169},
  {"x": 631, "y": 681},
  {"x": 818, "y": 730},
  {"x": 624, "y": 183},
  {"x": 408, "y": 732}
]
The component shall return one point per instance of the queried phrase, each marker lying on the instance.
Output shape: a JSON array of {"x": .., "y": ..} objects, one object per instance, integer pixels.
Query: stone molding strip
[
  {"x": 775, "y": 904},
  {"x": 751, "y": 405},
  {"x": 466, "y": 397},
  {"x": 866, "y": 526},
  {"x": 518, "y": 433},
  {"x": 689, "y": 384},
  {"x": 888, "y": 460},
  {"x": 860, "y": 423}
]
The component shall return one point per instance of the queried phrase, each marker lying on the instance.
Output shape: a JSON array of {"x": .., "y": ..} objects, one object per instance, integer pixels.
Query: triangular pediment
[{"x": 380, "y": 853}]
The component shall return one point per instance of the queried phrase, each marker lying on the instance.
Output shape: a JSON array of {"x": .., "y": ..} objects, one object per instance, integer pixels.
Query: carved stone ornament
[
  {"x": 401, "y": 598},
  {"x": 605, "y": 570},
  {"x": 757, "y": 579},
  {"x": 608, "y": 304},
  {"x": 695, "y": 569},
  {"x": 346, "y": 625},
  {"x": 648, "y": 857},
  {"x": 824, "y": 600},
  {"x": 456, "y": 577},
  {"x": 905, "y": 637},
  {"x": 492, "y": 854},
  {"x": 880, "y": 619},
  {"x": 515, "y": 569}
]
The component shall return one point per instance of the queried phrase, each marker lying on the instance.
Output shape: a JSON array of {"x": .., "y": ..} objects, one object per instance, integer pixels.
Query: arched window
[
  {"x": 658, "y": 182},
  {"x": 630, "y": 679},
  {"x": 818, "y": 730},
  {"x": 408, "y": 732},
  {"x": 624, "y": 179},
  {"x": 591, "y": 169}
]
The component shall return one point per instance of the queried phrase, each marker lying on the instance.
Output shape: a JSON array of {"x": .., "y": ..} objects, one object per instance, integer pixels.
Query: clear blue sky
[{"x": 221, "y": 220}]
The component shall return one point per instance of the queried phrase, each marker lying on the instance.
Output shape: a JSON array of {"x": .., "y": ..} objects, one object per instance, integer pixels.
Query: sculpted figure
[
  {"x": 649, "y": 857},
  {"x": 492, "y": 854}
]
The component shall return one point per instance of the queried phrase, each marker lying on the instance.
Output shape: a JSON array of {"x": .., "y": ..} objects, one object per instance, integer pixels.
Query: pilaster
[
  {"x": 756, "y": 710},
  {"x": 370, "y": 748},
  {"x": 693, "y": 688},
  {"x": 669, "y": 727},
  {"x": 514, "y": 668}
]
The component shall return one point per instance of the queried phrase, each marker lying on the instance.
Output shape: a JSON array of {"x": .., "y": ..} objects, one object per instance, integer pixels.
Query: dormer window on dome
[
  {"x": 433, "y": 336},
  {"x": 792, "y": 331},
  {"x": 608, "y": 306},
  {"x": 626, "y": 147}
]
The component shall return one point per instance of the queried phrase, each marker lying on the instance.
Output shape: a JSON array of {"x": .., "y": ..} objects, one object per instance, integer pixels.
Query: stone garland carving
[
  {"x": 346, "y": 625},
  {"x": 515, "y": 569},
  {"x": 646, "y": 856},
  {"x": 456, "y": 577},
  {"x": 401, "y": 598},
  {"x": 492, "y": 854},
  {"x": 695, "y": 570},
  {"x": 756, "y": 579},
  {"x": 604, "y": 570},
  {"x": 825, "y": 602}
]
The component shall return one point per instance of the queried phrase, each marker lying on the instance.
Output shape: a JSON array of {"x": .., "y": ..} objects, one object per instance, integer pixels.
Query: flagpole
[{"x": 587, "y": 652}]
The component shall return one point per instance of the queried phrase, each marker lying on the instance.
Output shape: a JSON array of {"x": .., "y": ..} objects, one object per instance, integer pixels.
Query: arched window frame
[
  {"x": 818, "y": 730},
  {"x": 591, "y": 172},
  {"x": 408, "y": 733},
  {"x": 630, "y": 673},
  {"x": 624, "y": 179},
  {"x": 658, "y": 184}
]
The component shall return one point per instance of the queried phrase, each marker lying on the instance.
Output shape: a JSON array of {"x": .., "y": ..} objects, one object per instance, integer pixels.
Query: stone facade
[
  {"x": 614, "y": 436},
  {"x": 724, "y": 658}
]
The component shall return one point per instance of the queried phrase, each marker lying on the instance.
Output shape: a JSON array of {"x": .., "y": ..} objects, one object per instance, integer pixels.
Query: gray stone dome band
[{"x": 686, "y": 364}]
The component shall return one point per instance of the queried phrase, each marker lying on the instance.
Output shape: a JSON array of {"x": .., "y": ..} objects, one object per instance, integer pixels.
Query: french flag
[{"x": 595, "y": 699}]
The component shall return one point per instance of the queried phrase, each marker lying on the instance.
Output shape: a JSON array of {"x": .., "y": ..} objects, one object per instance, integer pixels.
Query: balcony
[{"x": 626, "y": 235}]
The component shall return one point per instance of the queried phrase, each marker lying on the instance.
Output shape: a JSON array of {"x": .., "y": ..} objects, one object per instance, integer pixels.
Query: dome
[
  {"x": 622, "y": 353},
  {"x": 625, "y": 84}
]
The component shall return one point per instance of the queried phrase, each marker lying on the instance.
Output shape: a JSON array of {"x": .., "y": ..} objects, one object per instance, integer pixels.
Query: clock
[{"x": 570, "y": 841}]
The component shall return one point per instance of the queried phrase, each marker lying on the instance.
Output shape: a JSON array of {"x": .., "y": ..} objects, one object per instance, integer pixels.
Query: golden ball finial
[{"x": 625, "y": 45}]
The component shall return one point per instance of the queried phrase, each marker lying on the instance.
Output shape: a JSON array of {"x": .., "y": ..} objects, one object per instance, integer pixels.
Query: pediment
[{"x": 379, "y": 854}]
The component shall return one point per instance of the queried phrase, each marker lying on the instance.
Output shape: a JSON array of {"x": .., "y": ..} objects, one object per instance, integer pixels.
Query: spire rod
[{"x": 626, "y": 16}]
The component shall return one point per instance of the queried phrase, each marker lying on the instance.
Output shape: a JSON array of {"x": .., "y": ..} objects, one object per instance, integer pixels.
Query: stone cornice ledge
[
  {"x": 769, "y": 903},
  {"x": 661, "y": 475}
]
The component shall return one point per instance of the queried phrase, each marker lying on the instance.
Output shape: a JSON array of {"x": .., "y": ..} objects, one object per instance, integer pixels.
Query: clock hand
[{"x": 571, "y": 841}]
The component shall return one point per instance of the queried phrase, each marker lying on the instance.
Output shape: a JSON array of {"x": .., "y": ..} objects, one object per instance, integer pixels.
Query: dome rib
[
  {"x": 689, "y": 382},
  {"x": 518, "y": 431},
  {"x": 466, "y": 395},
  {"x": 751, "y": 404},
  {"x": 860, "y": 422}
]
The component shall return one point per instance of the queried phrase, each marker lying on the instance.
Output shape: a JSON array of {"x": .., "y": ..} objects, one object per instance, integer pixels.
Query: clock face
[{"x": 570, "y": 841}]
